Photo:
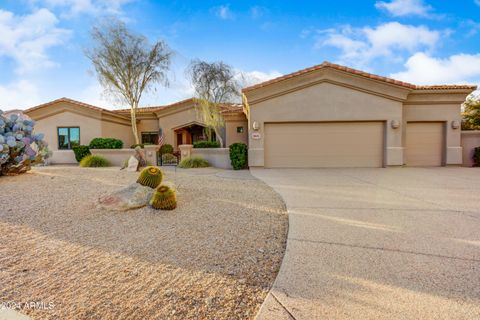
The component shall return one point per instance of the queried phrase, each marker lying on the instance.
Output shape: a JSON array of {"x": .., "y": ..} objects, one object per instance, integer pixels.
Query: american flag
[{"x": 161, "y": 137}]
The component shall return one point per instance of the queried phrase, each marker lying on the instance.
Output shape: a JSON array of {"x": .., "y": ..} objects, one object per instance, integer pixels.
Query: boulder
[{"x": 131, "y": 197}]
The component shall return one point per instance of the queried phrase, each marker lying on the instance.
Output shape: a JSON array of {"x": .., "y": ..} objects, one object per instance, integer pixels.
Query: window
[
  {"x": 239, "y": 129},
  {"x": 149, "y": 137},
  {"x": 68, "y": 137}
]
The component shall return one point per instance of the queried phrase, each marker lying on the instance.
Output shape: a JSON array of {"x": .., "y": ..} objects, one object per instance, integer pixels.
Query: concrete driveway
[{"x": 396, "y": 243}]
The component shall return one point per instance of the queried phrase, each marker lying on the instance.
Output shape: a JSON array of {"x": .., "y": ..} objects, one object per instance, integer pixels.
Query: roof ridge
[{"x": 327, "y": 64}]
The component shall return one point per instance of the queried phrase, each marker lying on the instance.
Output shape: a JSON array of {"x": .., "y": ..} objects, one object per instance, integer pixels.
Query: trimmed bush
[
  {"x": 94, "y": 161},
  {"x": 193, "y": 162},
  {"x": 166, "y": 148},
  {"x": 141, "y": 145},
  {"x": 206, "y": 144},
  {"x": 476, "y": 157},
  {"x": 168, "y": 157},
  {"x": 81, "y": 152},
  {"x": 239, "y": 156},
  {"x": 106, "y": 143}
]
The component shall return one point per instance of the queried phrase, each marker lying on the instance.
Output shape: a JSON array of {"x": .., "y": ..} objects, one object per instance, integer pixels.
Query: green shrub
[
  {"x": 80, "y": 152},
  {"x": 166, "y": 148},
  {"x": 168, "y": 157},
  {"x": 476, "y": 157},
  {"x": 106, "y": 143},
  {"x": 193, "y": 162},
  {"x": 94, "y": 161},
  {"x": 239, "y": 156},
  {"x": 206, "y": 144}
]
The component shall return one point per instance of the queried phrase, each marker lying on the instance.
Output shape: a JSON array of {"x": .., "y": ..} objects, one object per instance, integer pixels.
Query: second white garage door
[{"x": 329, "y": 144}]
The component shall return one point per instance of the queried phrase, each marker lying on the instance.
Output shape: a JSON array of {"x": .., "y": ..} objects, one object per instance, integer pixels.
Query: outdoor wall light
[
  {"x": 455, "y": 124},
  {"x": 255, "y": 125},
  {"x": 395, "y": 124}
]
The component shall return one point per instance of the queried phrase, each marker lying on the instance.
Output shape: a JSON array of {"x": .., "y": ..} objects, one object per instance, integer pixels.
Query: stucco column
[
  {"x": 151, "y": 154},
  {"x": 185, "y": 151}
]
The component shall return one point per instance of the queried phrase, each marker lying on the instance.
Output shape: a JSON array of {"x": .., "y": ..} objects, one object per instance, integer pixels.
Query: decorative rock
[
  {"x": 133, "y": 164},
  {"x": 131, "y": 197}
]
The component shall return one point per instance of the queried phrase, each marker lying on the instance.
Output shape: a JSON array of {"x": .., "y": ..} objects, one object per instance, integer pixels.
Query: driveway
[{"x": 396, "y": 243}]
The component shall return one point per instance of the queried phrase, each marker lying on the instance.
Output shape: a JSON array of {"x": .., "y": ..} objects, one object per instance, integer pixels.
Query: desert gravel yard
[{"x": 215, "y": 256}]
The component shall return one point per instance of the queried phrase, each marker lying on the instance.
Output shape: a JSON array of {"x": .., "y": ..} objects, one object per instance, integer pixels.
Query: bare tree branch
[{"x": 127, "y": 65}]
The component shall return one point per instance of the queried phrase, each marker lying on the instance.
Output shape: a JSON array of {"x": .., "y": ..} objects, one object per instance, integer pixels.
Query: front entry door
[{"x": 179, "y": 139}]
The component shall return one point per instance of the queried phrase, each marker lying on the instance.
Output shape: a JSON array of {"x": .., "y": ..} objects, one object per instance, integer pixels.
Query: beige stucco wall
[
  {"x": 147, "y": 124},
  {"x": 470, "y": 141},
  {"x": 89, "y": 127},
  {"x": 176, "y": 118},
  {"x": 438, "y": 107},
  {"x": 118, "y": 131},
  {"x": 231, "y": 124},
  {"x": 327, "y": 102}
]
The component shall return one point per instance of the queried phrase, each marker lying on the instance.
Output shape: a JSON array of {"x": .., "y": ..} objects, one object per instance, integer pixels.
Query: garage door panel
[
  {"x": 339, "y": 144},
  {"x": 424, "y": 144}
]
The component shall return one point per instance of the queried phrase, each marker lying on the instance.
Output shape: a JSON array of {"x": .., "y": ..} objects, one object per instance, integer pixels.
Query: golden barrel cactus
[
  {"x": 150, "y": 177},
  {"x": 164, "y": 198}
]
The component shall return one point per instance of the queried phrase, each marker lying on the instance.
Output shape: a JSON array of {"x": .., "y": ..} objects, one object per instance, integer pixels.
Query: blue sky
[{"x": 420, "y": 41}]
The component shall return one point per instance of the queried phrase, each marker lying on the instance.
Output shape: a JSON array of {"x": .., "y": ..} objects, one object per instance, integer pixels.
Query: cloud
[
  {"x": 359, "y": 46},
  {"x": 402, "y": 8},
  {"x": 223, "y": 12},
  {"x": 71, "y": 8},
  {"x": 26, "y": 39},
  {"x": 258, "y": 12},
  {"x": 422, "y": 68},
  {"x": 18, "y": 95},
  {"x": 250, "y": 78}
]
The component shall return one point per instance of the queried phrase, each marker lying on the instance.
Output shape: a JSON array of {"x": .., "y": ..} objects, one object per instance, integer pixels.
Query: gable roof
[{"x": 327, "y": 64}]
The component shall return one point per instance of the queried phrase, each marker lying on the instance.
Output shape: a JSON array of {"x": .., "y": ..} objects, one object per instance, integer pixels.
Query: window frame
[
  {"x": 69, "y": 147},
  {"x": 152, "y": 133}
]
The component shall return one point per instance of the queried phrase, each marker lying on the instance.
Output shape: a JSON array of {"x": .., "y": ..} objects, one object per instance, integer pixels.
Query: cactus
[
  {"x": 19, "y": 147},
  {"x": 164, "y": 198},
  {"x": 150, "y": 177}
]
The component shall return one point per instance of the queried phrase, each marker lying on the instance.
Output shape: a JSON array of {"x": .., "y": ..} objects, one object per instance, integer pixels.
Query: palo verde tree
[
  {"x": 215, "y": 84},
  {"x": 471, "y": 113},
  {"x": 128, "y": 65}
]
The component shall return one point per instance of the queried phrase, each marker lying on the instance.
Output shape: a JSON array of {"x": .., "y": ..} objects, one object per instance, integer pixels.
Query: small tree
[
  {"x": 127, "y": 65},
  {"x": 471, "y": 114},
  {"x": 215, "y": 84}
]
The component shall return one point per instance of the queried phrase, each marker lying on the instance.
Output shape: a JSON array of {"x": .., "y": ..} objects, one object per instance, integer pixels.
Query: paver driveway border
[{"x": 394, "y": 243}]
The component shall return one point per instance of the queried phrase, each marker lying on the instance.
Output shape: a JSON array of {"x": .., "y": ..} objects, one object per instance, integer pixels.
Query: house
[
  {"x": 66, "y": 122},
  {"x": 324, "y": 116},
  {"x": 333, "y": 116}
]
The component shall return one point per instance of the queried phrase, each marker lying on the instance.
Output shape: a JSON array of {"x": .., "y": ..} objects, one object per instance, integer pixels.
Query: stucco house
[
  {"x": 333, "y": 116},
  {"x": 66, "y": 122},
  {"x": 324, "y": 116}
]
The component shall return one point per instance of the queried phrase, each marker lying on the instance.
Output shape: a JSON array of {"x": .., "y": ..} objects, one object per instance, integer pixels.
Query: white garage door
[
  {"x": 424, "y": 144},
  {"x": 316, "y": 145}
]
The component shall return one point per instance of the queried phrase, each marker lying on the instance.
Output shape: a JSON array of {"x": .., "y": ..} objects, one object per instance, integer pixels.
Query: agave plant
[{"x": 20, "y": 148}]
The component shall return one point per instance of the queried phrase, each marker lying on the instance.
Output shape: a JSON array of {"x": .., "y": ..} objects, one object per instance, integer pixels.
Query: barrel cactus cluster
[
  {"x": 20, "y": 148},
  {"x": 164, "y": 197}
]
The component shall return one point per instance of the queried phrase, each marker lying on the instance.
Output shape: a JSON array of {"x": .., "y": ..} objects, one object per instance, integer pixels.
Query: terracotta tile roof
[
  {"x": 327, "y": 64},
  {"x": 232, "y": 108},
  {"x": 82, "y": 104}
]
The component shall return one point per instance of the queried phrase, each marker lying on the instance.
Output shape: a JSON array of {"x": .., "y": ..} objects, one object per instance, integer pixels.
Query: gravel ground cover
[{"x": 214, "y": 257}]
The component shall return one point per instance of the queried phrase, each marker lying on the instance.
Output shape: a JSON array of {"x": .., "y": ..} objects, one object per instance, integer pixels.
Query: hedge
[
  {"x": 239, "y": 156},
  {"x": 106, "y": 143},
  {"x": 166, "y": 148},
  {"x": 206, "y": 144},
  {"x": 80, "y": 152}
]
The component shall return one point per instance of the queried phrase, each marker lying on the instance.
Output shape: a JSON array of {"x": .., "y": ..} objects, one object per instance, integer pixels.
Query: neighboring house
[
  {"x": 324, "y": 116},
  {"x": 67, "y": 122},
  {"x": 333, "y": 116}
]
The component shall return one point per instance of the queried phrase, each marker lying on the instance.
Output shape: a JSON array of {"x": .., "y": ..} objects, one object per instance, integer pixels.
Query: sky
[{"x": 42, "y": 42}]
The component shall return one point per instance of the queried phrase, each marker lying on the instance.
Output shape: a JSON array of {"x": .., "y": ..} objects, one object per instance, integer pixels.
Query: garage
[
  {"x": 424, "y": 144},
  {"x": 324, "y": 144}
]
